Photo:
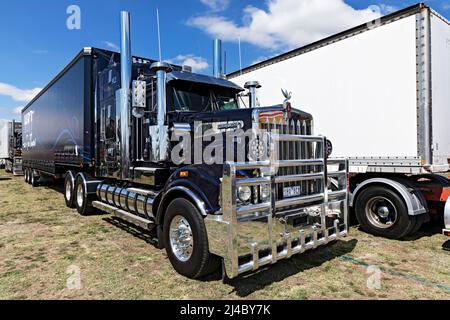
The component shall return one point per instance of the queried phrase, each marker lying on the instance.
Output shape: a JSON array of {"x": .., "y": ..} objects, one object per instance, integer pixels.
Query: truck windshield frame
[{"x": 188, "y": 96}]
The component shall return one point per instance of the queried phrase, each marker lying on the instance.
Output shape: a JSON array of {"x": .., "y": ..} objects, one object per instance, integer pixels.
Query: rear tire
[
  {"x": 82, "y": 201},
  {"x": 186, "y": 240},
  {"x": 29, "y": 175},
  {"x": 69, "y": 191},
  {"x": 34, "y": 179},
  {"x": 420, "y": 220},
  {"x": 382, "y": 212}
]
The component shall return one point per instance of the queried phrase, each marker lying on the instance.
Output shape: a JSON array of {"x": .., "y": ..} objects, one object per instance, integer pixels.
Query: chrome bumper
[
  {"x": 251, "y": 236},
  {"x": 446, "y": 231}
]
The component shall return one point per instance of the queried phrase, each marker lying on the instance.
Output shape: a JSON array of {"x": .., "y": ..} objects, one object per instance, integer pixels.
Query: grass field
[{"x": 43, "y": 244}]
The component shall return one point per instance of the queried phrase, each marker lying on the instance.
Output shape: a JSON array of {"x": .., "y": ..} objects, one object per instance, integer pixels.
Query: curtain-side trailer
[{"x": 381, "y": 92}]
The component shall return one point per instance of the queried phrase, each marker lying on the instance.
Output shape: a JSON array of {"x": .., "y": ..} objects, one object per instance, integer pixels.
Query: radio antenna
[
  {"x": 159, "y": 34},
  {"x": 225, "y": 63},
  {"x": 240, "y": 56}
]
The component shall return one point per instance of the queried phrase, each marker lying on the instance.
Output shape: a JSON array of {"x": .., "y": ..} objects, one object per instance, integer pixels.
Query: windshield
[{"x": 189, "y": 96}]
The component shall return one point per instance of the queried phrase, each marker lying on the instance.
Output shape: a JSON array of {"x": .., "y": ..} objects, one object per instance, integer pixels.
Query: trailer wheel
[
  {"x": 25, "y": 175},
  {"x": 33, "y": 179},
  {"x": 82, "y": 201},
  {"x": 30, "y": 172},
  {"x": 186, "y": 240},
  {"x": 382, "y": 212},
  {"x": 69, "y": 194}
]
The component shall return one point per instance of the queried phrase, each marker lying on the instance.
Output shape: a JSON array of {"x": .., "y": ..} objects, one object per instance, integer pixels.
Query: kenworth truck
[
  {"x": 11, "y": 146},
  {"x": 386, "y": 83},
  {"x": 108, "y": 124}
]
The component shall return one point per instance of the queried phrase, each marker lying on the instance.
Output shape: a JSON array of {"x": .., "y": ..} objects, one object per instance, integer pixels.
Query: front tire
[
  {"x": 382, "y": 212},
  {"x": 82, "y": 201},
  {"x": 186, "y": 240}
]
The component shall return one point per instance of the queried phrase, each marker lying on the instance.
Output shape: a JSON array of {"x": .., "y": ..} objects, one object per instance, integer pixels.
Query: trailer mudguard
[
  {"x": 90, "y": 184},
  {"x": 414, "y": 200}
]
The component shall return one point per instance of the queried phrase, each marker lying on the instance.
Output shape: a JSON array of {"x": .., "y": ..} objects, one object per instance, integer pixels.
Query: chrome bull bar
[{"x": 251, "y": 235}]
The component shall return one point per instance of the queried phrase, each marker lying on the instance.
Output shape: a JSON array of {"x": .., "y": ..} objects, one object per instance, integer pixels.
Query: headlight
[
  {"x": 265, "y": 192},
  {"x": 244, "y": 193},
  {"x": 328, "y": 148}
]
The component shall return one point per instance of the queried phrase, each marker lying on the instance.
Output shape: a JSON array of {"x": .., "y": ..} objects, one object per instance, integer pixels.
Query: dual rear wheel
[
  {"x": 76, "y": 195},
  {"x": 31, "y": 177},
  {"x": 382, "y": 212},
  {"x": 183, "y": 233}
]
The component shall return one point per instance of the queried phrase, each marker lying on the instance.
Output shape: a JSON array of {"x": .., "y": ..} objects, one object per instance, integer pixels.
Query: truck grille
[{"x": 293, "y": 150}]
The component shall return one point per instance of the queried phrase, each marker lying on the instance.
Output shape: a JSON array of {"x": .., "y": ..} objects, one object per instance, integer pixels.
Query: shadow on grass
[
  {"x": 429, "y": 229},
  {"x": 58, "y": 187},
  {"x": 247, "y": 284},
  {"x": 5, "y": 179},
  {"x": 136, "y": 231}
]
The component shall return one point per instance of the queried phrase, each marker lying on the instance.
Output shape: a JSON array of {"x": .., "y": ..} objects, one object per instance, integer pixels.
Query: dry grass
[{"x": 40, "y": 238}]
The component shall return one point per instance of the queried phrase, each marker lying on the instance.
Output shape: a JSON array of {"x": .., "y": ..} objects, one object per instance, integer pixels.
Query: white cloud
[
  {"x": 196, "y": 63},
  {"x": 111, "y": 45},
  {"x": 17, "y": 110},
  {"x": 286, "y": 24},
  {"x": 216, "y": 5},
  {"x": 446, "y": 6},
  {"x": 386, "y": 8},
  {"x": 261, "y": 59},
  {"x": 17, "y": 94}
]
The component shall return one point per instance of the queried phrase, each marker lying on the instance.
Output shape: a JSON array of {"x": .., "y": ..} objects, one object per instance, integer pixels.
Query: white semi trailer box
[
  {"x": 381, "y": 93},
  {"x": 5, "y": 129},
  {"x": 11, "y": 146}
]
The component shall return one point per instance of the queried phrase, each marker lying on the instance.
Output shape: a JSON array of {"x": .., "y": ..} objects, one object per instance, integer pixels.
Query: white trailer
[
  {"x": 381, "y": 93},
  {"x": 11, "y": 146},
  {"x": 4, "y": 139}
]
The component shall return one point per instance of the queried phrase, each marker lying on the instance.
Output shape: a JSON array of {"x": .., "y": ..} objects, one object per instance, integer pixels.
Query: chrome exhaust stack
[
  {"x": 252, "y": 87},
  {"x": 160, "y": 132},
  {"x": 123, "y": 97},
  {"x": 218, "y": 72}
]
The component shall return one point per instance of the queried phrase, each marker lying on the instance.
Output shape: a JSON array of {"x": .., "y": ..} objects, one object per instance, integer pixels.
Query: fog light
[
  {"x": 244, "y": 193},
  {"x": 265, "y": 192}
]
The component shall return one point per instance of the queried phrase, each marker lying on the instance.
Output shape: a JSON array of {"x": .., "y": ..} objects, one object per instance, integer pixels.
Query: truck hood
[{"x": 244, "y": 115}]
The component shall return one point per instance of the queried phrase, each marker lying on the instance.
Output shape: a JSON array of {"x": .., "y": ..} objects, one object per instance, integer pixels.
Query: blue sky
[{"x": 36, "y": 43}]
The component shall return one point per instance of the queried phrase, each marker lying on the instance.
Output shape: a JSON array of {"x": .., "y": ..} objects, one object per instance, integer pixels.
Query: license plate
[{"x": 290, "y": 192}]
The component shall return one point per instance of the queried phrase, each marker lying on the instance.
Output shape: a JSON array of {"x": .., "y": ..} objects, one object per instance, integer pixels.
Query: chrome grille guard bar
[{"x": 251, "y": 235}]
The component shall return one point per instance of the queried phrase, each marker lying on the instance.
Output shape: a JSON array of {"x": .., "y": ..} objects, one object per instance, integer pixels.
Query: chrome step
[{"x": 124, "y": 215}]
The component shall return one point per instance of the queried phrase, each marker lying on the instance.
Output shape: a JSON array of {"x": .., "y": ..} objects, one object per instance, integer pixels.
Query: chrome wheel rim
[
  {"x": 68, "y": 190},
  {"x": 381, "y": 212},
  {"x": 181, "y": 239},
  {"x": 80, "y": 196}
]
